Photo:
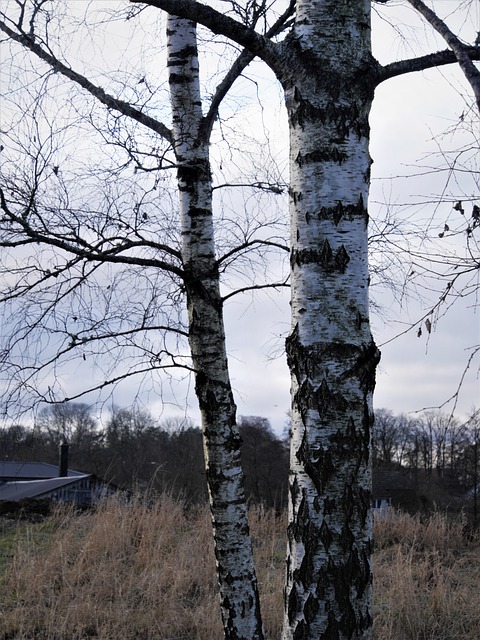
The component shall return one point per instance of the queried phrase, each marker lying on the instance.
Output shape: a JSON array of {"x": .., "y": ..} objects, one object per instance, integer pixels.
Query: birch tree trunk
[
  {"x": 331, "y": 353},
  {"x": 233, "y": 549}
]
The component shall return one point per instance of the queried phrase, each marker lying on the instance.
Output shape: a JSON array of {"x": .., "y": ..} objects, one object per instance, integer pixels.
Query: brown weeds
[
  {"x": 126, "y": 571},
  {"x": 426, "y": 578},
  {"x": 146, "y": 570}
]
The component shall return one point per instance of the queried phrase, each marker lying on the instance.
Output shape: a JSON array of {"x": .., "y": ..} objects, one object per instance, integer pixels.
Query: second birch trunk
[{"x": 233, "y": 549}]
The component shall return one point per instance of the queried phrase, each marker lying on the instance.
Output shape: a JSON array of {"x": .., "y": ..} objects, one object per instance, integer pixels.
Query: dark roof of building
[
  {"x": 31, "y": 471},
  {"x": 17, "y": 490}
]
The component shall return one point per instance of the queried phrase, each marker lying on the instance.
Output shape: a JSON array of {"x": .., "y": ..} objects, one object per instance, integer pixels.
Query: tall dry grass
[
  {"x": 426, "y": 579},
  {"x": 141, "y": 571},
  {"x": 128, "y": 571}
]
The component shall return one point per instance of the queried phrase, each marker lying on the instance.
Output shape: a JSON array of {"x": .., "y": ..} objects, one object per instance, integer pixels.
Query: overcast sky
[{"x": 412, "y": 119}]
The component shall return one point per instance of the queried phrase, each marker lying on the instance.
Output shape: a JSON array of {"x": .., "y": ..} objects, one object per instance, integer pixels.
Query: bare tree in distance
[
  {"x": 328, "y": 74},
  {"x": 71, "y": 423},
  {"x": 472, "y": 461}
]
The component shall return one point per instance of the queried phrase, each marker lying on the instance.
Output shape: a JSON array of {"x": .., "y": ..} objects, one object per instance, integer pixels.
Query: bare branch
[
  {"x": 109, "y": 101},
  {"x": 239, "y": 65},
  {"x": 469, "y": 69},
  {"x": 262, "y": 186},
  {"x": 456, "y": 394},
  {"x": 110, "y": 382},
  {"x": 248, "y": 245},
  {"x": 422, "y": 63},
  {"x": 258, "y": 287},
  {"x": 220, "y": 24},
  {"x": 81, "y": 248}
]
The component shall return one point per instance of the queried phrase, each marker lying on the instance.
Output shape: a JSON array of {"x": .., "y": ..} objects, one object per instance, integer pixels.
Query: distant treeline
[
  {"x": 433, "y": 442},
  {"x": 133, "y": 450}
]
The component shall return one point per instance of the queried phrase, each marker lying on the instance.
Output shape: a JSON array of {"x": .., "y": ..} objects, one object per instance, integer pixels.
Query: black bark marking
[
  {"x": 320, "y": 468},
  {"x": 305, "y": 574},
  {"x": 294, "y": 490},
  {"x": 292, "y": 346},
  {"x": 347, "y": 438},
  {"x": 329, "y": 505},
  {"x": 320, "y": 587},
  {"x": 304, "y": 400},
  {"x": 365, "y": 366},
  {"x": 348, "y": 501},
  {"x": 343, "y": 212},
  {"x": 230, "y": 442},
  {"x": 300, "y": 520},
  {"x": 191, "y": 173},
  {"x": 364, "y": 578},
  {"x": 301, "y": 631},
  {"x": 343, "y": 118},
  {"x": 230, "y": 630},
  {"x": 296, "y": 196},
  {"x": 363, "y": 503},
  {"x": 311, "y": 608},
  {"x": 347, "y": 539},
  {"x": 325, "y": 535},
  {"x": 199, "y": 290},
  {"x": 179, "y": 78},
  {"x": 341, "y": 259},
  {"x": 327, "y": 402},
  {"x": 329, "y": 261},
  {"x": 361, "y": 319},
  {"x": 327, "y": 154},
  {"x": 325, "y": 255},
  {"x": 332, "y": 631},
  {"x": 188, "y": 52},
  {"x": 294, "y": 602},
  {"x": 307, "y": 361}
]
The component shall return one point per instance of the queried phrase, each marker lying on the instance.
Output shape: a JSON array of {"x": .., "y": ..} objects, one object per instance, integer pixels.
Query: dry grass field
[
  {"x": 426, "y": 580},
  {"x": 143, "y": 572}
]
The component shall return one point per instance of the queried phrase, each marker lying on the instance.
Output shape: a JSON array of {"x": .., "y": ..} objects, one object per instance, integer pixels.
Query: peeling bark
[
  {"x": 331, "y": 354},
  {"x": 235, "y": 568}
]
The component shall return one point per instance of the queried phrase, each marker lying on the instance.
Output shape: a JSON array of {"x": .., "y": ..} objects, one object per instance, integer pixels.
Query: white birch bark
[
  {"x": 233, "y": 549},
  {"x": 331, "y": 353}
]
